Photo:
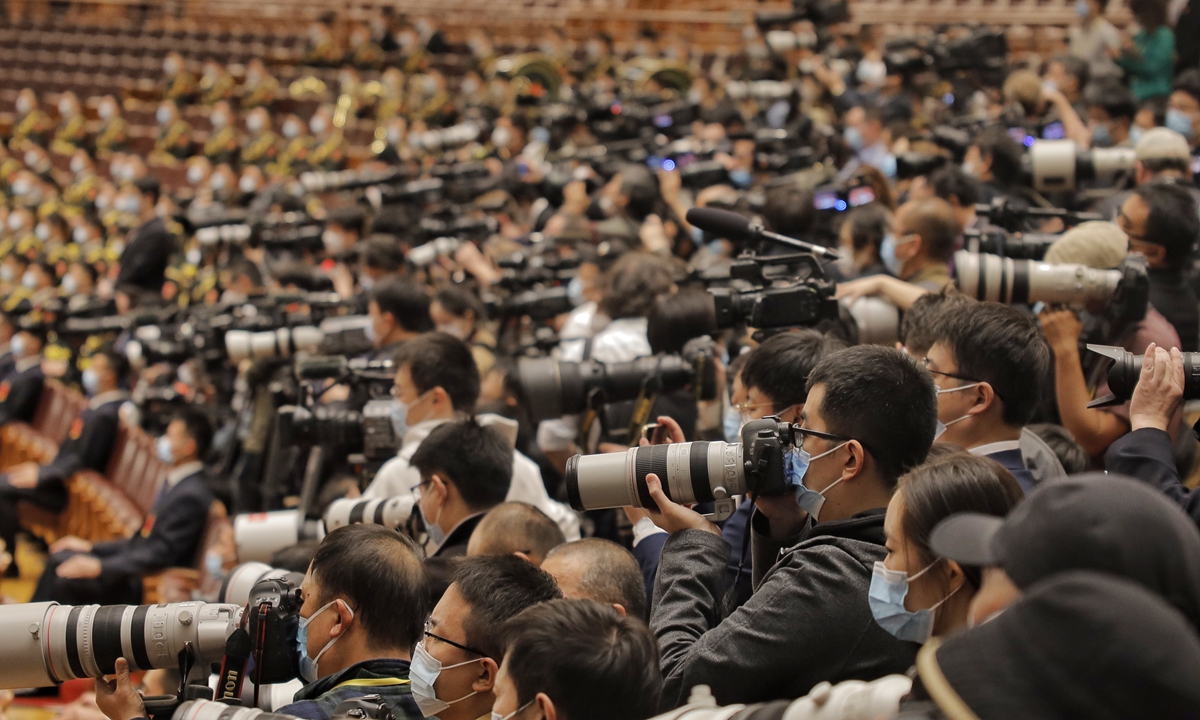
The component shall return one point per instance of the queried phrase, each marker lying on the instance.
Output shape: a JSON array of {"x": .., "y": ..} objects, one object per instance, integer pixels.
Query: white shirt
[
  {"x": 397, "y": 477},
  {"x": 992, "y": 448},
  {"x": 178, "y": 474}
]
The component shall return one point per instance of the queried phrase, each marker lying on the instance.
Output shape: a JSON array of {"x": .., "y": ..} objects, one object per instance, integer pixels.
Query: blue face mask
[
  {"x": 886, "y": 598},
  {"x": 1180, "y": 122},
  {"x": 1082, "y": 9},
  {"x": 308, "y": 666},
  {"x": 164, "y": 450},
  {"x": 887, "y": 253},
  {"x": 424, "y": 672},
  {"x": 90, "y": 381},
  {"x": 741, "y": 178},
  {"x": 1135, "y": 134},
  {"x": 575, "y": 290},
  {"x": 888, "y": 166},
  {"x": 731, "y": 424},
  {"x": 795, "y": 466},
  {"x": 1101, "y": 137},
  {"x": 853, "y": 137}
]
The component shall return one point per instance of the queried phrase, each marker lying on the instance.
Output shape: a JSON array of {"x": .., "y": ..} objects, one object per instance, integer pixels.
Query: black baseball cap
[
  {"x": 1077, "y": 645},
  {"x": 1105, "y": 523}
]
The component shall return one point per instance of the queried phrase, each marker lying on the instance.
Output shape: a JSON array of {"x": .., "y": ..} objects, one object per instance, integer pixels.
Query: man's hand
[
  {"x": 117, "y": 698},
  {"x": 672, "y": 516},
  {"x": 24, "y": 476},
  {"x": 668, "y": 432},
  {"x": 785, "y": 516},
  {"x": 1062, "y": 329},
  {"x": 80, "y": 567},
  {"x": 71, "y": 543},
  {"x": 1159, "y": 390},
  {"x": 894, "y": 290}
]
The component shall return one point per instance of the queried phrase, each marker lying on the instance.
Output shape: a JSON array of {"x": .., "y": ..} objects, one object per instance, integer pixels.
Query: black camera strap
[
  {"x": 233, "y": 665},
  {"x": 647, "y": 396}
]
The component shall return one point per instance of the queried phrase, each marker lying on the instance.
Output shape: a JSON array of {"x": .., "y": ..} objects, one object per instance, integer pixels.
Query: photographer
[
  {"x": 921, "y": 244},
  {"x": 365, "y": 599},
  {"x": 577, "y": 660},
  {"x": 1162, "y": 157},
  {"x": 808, "y": 620},
  {"x": 989, "y": 362},
  {"x": 437, "y": 382},
  {"x": 457, "y": 487},
  {"x": 455, "y": 665},
  {"x": 460, "y": 313},
  {"x": 994, "y": 159},
  {"x": 399, "y": 311},
  {"x": 860, "y": 239}
]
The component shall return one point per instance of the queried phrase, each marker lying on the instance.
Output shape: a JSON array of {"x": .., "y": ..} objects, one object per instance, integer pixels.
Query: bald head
[
  {"x": 514, "y": 528},
  {"x": 599, "y": 570},
  {"x": 934, "y": 221}
]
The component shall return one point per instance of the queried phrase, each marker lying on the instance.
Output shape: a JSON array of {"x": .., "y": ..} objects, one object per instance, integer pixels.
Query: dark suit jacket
[
  {"x": 170, "y": 535},
  {"x": 20, "y": 392},
  {"x": 1146, "y": 455},
  {"x": 88, "y": 445},
  {"x": 144, "y": 261},
  {"x": 1015, "y": 464},
  {"x": 439, "y": 567}
]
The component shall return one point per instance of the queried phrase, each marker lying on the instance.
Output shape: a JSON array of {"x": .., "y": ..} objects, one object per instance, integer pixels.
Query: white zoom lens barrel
[
  {"x": 1004, "y": 280},
  {"x": 213, "y": 710},
  {"x": 390, "y": 512},
  {"x": 46, "y": 643},
  {"x": 690, "y": 473}
]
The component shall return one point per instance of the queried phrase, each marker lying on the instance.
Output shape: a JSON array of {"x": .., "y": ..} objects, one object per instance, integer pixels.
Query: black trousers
[
  {"x": 108, "y": 589},
  {"x": 47, "y": 495}
]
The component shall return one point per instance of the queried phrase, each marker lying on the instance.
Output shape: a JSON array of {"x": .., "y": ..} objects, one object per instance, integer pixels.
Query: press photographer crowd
[{"x": 390, "y": 371}]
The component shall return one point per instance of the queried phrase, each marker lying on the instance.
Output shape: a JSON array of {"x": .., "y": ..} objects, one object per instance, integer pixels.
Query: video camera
[
  {"x": 769, "y": 306},
  {"x": 692, "y": 472},
  {"x": 1124, "y": 291},
  {"x": 984, "y": 53}
]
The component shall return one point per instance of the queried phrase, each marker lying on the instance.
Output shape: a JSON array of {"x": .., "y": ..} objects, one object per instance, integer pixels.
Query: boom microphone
[{"x": 726, "y": 224}]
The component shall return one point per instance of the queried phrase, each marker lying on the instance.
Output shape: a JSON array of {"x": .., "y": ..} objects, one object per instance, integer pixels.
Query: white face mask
[
  {"x": 80, "y": 234},
  {"x": 195, "y": 175},
  {"x": 254, "y": 123},
  {"x": 334, "y": 241},
  {"x": 105, "y": 111},
  {"x": 42, "y": 231},
  {"x": 318, "y": 124},
  {"x": 218, "y": 120},
  {"x": 514, "y": 713},
  {"x": 24, "y": 105},
  {"x": 291, "y": 129},
  {"x": 77, "y": 165},
  {"x": 246, "y": 184}
]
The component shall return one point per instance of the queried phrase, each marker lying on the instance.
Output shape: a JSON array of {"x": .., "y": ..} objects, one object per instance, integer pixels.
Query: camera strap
[
  {"x": 647, "y": 396},
  {"x": 233, "y": 666}
]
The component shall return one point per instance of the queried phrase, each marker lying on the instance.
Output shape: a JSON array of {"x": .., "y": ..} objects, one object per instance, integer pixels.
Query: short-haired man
[
  {"x": 1162, "y": 156},
  {"x": 516, "y": 528},
  {"x": 988, "y": 362},
  {"x": 399, "y": 311},
  {"x": 1183, "y": 111},
  {"x": 577, "y": 660},
  {"x": 466, "y": 470},
  {"x": 994, "y": 159},
  {"x": 79, "y": 572},
  {"x": 921, "y": 244},
  {"x": 870, "y": 416},
  {"x": 87, "y": 446},
  {"x": 437, "y": 381},
  {"x": 599, "y": 570},
  {"x": 454, "y": 666},
  {"x": 365, "y": 603},
  {"x": 21, "y": 387},
  {"x": 144, "y": 260}
]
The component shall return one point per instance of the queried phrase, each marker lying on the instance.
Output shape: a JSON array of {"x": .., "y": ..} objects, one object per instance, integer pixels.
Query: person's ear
[
  {"x": 620, "y": 609},
  {"x": 344, "y": 616},
  {"x": 527, "y": 558},
  {"x": 487, "y": 676},
  {"x": 1156, "y": 254},
  {"x": 955, "y": 577},
  {"x": 856, "y": 459},
  {"x": 441, "y": 397},
  {"x": 546, "y": 706},
  {"x": 985, "y": 397},
  {"x": 910, "y": 249}
]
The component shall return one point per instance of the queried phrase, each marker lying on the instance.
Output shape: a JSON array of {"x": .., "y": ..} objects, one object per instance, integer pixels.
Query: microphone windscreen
[{"x": 722, "y": 223}]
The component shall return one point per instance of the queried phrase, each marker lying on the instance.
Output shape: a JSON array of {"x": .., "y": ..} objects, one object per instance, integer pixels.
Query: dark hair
[
  {"x": 514, "y": 527},
  {"x": 1006, "y": 153},
  {"x": 1070, "y": 453},
  {"x": 592, "y": 663},
  {"x": 957, "y": 483},
  {"x": 952, "y": 182},
  {"x": 611, "y": 575},
  {"x": 1173, "y": 222},
  {"x": 351, "y": 218},
  {"x": 868, "y": 225},
  {"x": 406, "y": 301},
  {"x": 918, "y": 329},
  {"x": 117, "y": 361},
  {"x": 1113, "y": 96},
  {"x": 457, "y": 302},
  {"x": 882, "y": 398},
  {"x": 1003, "y": 347},
  {"x": 934, "y": 220},
  {"x": 382, "y": 252},
  {"x": 676, "y": 318},
  {"x": 780, "y": 367},
  {"x": 633, "y": 283},
  {"x": 1150, "y": 14},
  {"x": 245, "y": 268},
  {"x": 641, "y": 187},
  {"x": 1074, "y": 66},
  {"x": 441, "y": 360},
  {"x": 381, "y": 574},
  {"x": 497, "y": 587},
  {"x": 1155, "y": 166},
  {"x": 199, "y": 428},
  {"x": 476, "y": 459},
  {"x": 1188, "y": 81},
  {"x": 150, "y": 186},
  {"x": 788, "y": 210}
]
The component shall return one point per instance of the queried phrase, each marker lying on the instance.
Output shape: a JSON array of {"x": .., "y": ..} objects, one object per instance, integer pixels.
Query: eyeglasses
[
  {"x": 416, "y": 489},
  {"x": 451, "y": 643},
  {"x": 1125, "y": 223},
  {"x": 799, "y": 433},
  {"x": 747, "y": 407},
  {"x": 956, "y": 376}
]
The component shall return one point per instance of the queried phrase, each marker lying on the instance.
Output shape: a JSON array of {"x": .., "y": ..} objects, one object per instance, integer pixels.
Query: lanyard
[{"x": 370, "y": 682}]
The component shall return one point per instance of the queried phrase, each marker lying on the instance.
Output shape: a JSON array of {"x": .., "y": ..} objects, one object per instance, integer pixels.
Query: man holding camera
[
  {"x": 365, "y": 601},
  {"x": 921, "y": 244},
  {"x": 870, "y": 416},
  {"x": 437, "y": 381}
]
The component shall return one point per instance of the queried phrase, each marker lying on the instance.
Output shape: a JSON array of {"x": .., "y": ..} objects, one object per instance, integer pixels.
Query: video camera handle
[{"x": 724, "y": 223}]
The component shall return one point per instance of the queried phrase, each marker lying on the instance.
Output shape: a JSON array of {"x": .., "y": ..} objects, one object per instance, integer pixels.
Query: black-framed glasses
[
  {"x": 803, "y": 431},
  {"x": 451, "y": 643},
  {"x": 956, "y": 376}
]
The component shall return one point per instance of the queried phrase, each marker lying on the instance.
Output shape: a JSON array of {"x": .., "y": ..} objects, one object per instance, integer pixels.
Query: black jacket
[
  {"x": 808, "y": 620},
  {"x": 170, "y": 535},
  {"x": 1145, "y": 454},
  {"x": 20, "y": 392},
  {"x": 439, "y": 567},
  {"x": 89, "y": 442},
  {"x": 318, "y": 700},
  {"x": 144, "y": 261},
  {"x": 1171, "y": 295}
]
